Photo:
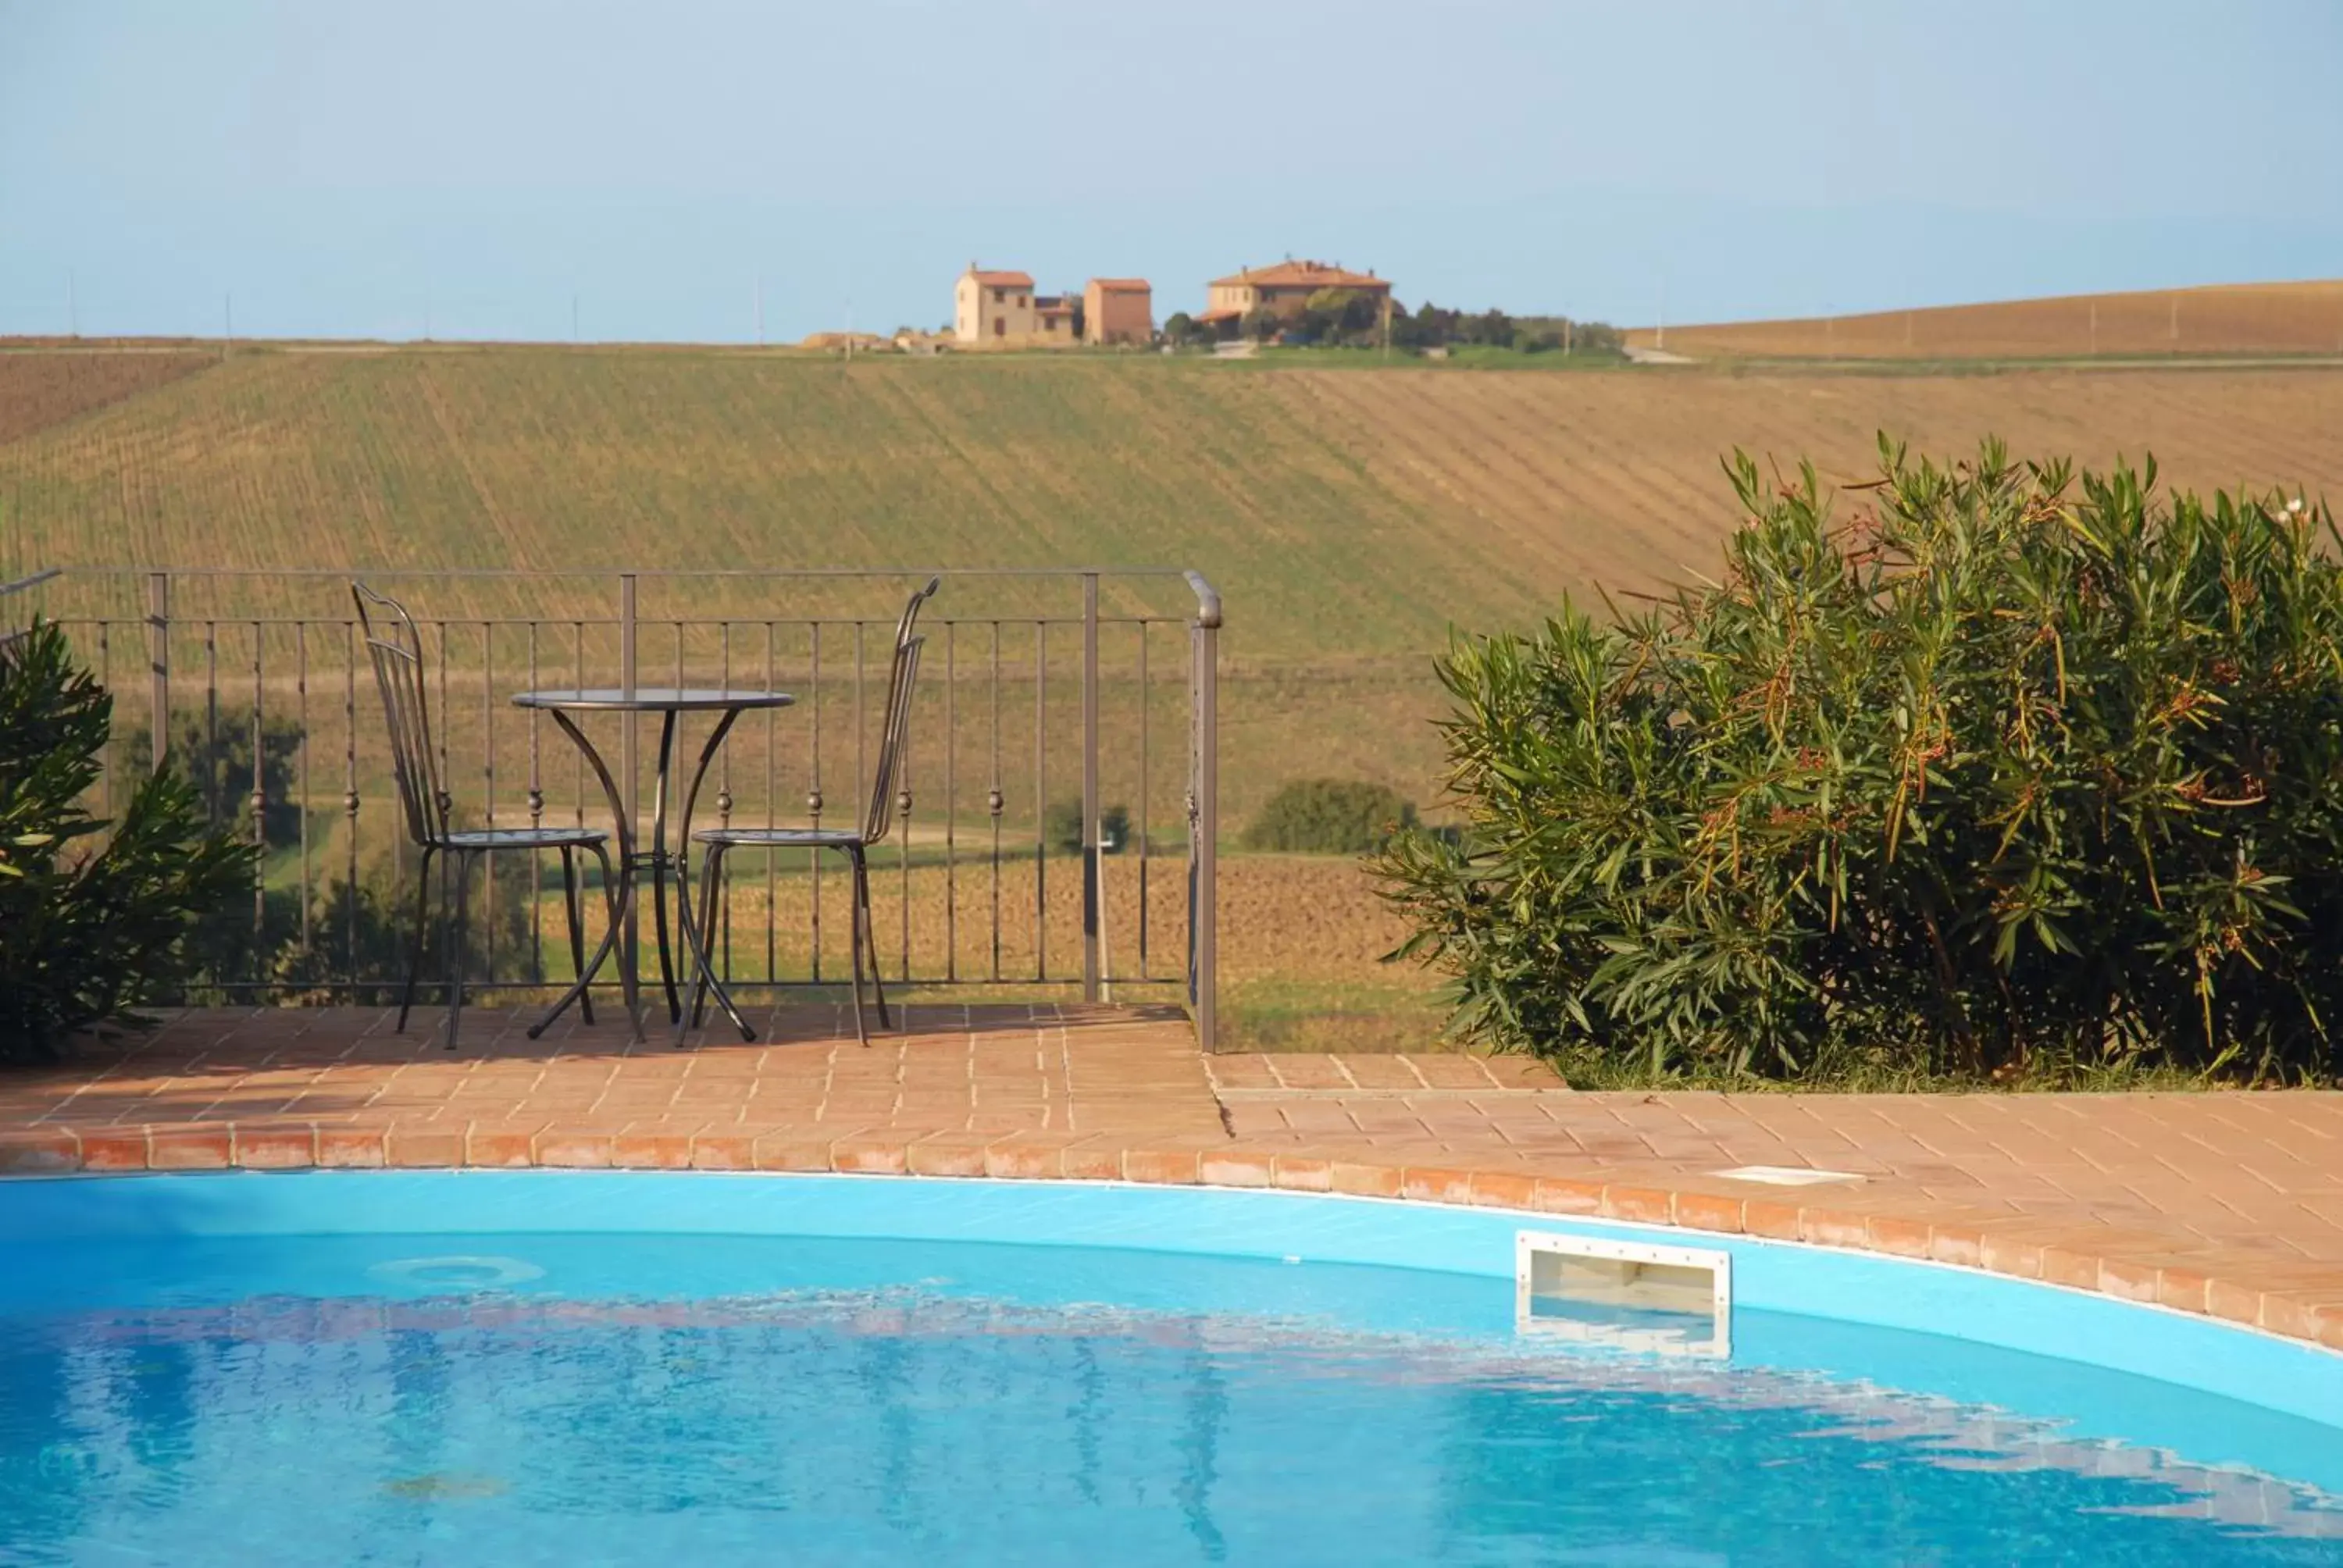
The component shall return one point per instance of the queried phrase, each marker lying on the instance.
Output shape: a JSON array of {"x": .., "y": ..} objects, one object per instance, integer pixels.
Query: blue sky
[{"x": 360, "y": 167}]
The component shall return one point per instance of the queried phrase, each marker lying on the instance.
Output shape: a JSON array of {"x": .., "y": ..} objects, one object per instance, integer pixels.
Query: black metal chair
[
  {"x": 854, "y": 843},
  {"x": 396, "y": 649}
]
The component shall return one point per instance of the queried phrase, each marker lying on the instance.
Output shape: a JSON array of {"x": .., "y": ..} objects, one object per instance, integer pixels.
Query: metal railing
[
  {"x": 1051, "y": 695},
  {"x": 14, "y": 614}
]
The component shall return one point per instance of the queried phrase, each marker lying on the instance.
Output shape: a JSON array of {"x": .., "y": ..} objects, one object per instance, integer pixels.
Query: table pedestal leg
[
  {"x": 660, "y": 865},
  {"x": 694, "y": 938}
]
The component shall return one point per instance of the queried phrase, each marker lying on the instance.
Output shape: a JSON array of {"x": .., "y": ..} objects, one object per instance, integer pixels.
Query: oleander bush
[
  {"x": 1329, "y": 817},
  {"x": 2003, "y": 772},
  {"x": 95, "y": 916}
]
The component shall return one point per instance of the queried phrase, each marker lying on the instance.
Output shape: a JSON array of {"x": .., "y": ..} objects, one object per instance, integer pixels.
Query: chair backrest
[
  {"x": 881, "y": 813},
  {"x": 396, "y": 649}
]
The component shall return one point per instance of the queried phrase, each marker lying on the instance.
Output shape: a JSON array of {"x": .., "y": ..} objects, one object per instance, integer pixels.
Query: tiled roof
[
  {"x": 1003, "y": 280},
  {"x": 1299, "y": 275},
  {"x": 1121, "y": 285}
]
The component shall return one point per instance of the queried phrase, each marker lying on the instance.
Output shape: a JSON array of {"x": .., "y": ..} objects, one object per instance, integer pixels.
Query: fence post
[
  {"x": 158, "y": 647},
  {"x": 630, "y": 790},
  {"x": 1092, "y": 851},
  {"x": 1204, "y": 815}
]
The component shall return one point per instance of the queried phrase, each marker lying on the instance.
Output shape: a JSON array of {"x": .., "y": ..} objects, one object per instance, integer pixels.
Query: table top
[{"x": 652, "y": 699}]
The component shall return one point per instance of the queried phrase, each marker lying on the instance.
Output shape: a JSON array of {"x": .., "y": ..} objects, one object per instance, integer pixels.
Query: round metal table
[{"x": 672, "y": 703}]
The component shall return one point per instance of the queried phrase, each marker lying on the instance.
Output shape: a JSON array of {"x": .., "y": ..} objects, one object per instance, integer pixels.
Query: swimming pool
[{"x": 459, "y": 1367}]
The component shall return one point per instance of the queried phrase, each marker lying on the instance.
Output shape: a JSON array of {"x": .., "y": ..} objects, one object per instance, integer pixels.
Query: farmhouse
[
  {"x": 997, "y": 309},
  {"x": 1118, "y": 310},
  {"x": 1284, "y": 288},
  {"x": 1001, "y": 310},
  {"x": 992, "y": 306}
]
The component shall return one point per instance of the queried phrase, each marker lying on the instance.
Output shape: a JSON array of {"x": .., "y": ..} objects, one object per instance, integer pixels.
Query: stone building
[
  {"x": 1284, "y": 288},
  {"x": 992, "y": 307},
  {"x": 1118, "y": 310},
  {"x": 999, "y": 310}
]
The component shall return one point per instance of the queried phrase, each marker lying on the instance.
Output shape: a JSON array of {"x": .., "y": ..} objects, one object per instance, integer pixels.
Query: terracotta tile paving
[{"x": 2230, "y": 1204}]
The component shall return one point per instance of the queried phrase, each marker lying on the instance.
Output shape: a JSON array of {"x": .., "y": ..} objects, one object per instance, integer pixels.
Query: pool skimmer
[{"x": 1623, "y": 1295}]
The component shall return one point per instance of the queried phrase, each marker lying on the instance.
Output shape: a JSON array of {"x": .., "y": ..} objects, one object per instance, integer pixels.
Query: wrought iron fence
[
  {"x": 19, "y": 601},
  {"x": 1064, "y": 759}
]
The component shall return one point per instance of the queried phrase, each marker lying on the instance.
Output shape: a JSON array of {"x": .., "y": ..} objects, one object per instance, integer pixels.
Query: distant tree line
[{"x": 1352, "y": 318}]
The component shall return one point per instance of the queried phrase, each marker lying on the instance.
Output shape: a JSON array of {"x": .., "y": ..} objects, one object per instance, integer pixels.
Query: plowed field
[
  {"x": 1350, "y": 517},
  {"x": 2239, "y": 319},
  {"x": 1346, "y": 514},
  {"x": 38, "y": 390}
]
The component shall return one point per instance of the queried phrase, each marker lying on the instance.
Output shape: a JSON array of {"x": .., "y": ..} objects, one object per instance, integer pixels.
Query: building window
[
  {"x": 1000, "y": 327},
  {"x": 996, "y": 297},
  {"x": 1024, "y": 301}
]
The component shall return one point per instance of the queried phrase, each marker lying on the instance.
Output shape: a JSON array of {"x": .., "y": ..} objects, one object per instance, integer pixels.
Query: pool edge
[{"x": 2067, "y": 1256}]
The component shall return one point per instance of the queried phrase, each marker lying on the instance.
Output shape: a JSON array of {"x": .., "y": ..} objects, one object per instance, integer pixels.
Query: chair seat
[
  {"x": 525, "y": 839},
  {"x": 779, "y": 838}
]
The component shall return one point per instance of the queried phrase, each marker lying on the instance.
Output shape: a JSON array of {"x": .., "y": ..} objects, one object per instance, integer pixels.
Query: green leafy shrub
[
  {"x": 1993, "y": 778},
  {"x": 1329, "y": 817},
  {"x": 94, "y": 917},
  {"x": 1061, "y": 827}
]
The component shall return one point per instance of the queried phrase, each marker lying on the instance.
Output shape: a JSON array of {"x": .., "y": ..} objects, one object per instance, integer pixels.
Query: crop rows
[
  {"x": 2265, "y": 318},
  {"x": 1350, "y": 517}
]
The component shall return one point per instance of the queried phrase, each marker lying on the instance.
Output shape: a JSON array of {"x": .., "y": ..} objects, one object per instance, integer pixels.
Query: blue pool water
[{"x": 215, "y": 1383}]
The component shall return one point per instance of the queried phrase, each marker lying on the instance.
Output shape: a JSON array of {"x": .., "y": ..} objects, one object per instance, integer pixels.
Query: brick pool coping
[
  {"x": 1132, "y": 1101},
  {"x": 2052, "y": 1254}
]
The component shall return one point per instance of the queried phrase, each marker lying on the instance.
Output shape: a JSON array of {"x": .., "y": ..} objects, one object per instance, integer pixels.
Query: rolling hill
[
  {"x": 2250, "y": 319},
  {"x": 1350, "y": 517}
]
